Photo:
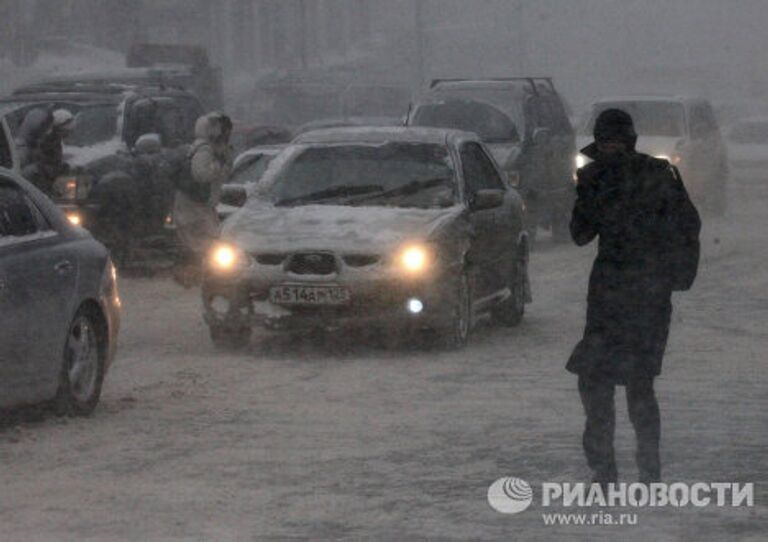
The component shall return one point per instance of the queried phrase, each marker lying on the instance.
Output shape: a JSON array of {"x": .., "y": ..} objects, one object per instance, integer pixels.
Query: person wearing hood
[
  {"x": 196, "y": 198},
  {"x": 648, "y": 247},
  {"x": 40, "y": 145}
]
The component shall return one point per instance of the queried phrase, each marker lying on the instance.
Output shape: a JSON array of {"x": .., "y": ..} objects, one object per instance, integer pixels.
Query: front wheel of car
[
  {"x": 511, "y": 311},
  {"x": 82, "y": 373},
  {"x": 456, "y": 334},
  {"x": 230, "y": 339}
]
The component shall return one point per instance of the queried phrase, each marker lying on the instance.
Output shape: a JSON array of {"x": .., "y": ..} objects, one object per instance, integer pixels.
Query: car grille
[
  {"x": 270, "y": 259},
  {"x": 312, "y": 264},
  {"x": 360, "y": 260}
]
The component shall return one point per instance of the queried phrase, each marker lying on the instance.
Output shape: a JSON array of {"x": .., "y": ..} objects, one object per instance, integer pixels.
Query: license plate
[{"x": 309, "y": 295}]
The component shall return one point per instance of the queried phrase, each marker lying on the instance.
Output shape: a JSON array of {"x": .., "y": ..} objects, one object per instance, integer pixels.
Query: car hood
[
  {"x": 264, "y": 227},
  {"x": 83, "y": 156}
]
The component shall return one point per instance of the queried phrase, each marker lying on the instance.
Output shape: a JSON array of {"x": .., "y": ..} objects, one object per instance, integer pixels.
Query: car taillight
[{"x": 72, "y": 187}]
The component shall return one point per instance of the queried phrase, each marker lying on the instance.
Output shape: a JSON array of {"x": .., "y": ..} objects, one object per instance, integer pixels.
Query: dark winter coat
[{"x": 648, "y": 233}]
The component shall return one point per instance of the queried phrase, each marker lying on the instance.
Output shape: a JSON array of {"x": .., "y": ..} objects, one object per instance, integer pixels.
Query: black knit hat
[{"x": 615, "y": 125}]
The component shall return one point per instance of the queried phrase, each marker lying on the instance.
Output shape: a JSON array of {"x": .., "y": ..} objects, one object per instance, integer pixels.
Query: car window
[
  {"x": 19, "y": 217},
  {"x": 703, "y": 122},
  {"x": 251, "y": 169},
  {"x": 5, "y": 150},
  {"x": 651, "y": 118},
  {"x": 488, "y": 122},
  {"x": 479, "y": 171}
]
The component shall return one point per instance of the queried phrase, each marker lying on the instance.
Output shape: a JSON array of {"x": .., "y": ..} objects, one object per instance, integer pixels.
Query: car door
[
  {"x": 489, "y": 245},
  {"x": 38, "y": 283}
]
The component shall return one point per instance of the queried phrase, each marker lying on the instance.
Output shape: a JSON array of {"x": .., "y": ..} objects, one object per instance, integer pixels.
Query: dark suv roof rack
[{"x": 534, "y": 81}]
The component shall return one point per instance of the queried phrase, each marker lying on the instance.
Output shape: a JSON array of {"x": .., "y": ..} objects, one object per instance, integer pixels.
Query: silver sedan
[{"x": 59, "y": 304}]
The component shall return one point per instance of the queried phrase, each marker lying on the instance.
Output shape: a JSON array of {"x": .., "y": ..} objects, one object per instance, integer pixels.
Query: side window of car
[
  {"x": 703, "y": 122},
  {"x": 18, "y": 216},
  {"x": 6, "y": 160},
  {"x": 479, "y": 171},
  {"x": 544, "y": 116}
]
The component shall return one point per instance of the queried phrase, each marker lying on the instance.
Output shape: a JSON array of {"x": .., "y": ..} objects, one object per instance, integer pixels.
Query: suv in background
[
  {"x": 536, "y": 155},
  {"x": 110, "y": 188},
  {"x": 680, "y": 129}
]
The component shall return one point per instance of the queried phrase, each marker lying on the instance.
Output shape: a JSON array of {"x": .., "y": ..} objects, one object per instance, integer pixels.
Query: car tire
[
  {"x": 83, "y": 366},
  {"x": 230, "y": 339},
  {"x": 511, "y": 311},
  {"x": 456, "y": 334}
]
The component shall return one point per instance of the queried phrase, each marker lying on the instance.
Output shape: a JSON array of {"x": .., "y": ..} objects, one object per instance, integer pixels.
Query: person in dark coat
[{"x": 648, "y": 247}]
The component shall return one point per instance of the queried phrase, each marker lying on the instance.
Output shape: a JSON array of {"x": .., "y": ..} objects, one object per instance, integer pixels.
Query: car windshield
[
  {"x": 250, "y": 169},
  {"x": 488, "y": 122},
  {"x": 651, "y": 118},
  {"x": 509, "y": 99},
  {"x": 750, "y": 133},
  {"x": 93, "y": 124},
  {"x": 388, "y": 174}
]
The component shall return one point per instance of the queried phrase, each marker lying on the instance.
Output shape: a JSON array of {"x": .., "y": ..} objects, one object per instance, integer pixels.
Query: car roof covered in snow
[{"x": 380, "y": 134}]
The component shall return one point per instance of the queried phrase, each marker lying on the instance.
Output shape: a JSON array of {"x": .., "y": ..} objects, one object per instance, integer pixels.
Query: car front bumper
[{"x": 375, "y": 301}]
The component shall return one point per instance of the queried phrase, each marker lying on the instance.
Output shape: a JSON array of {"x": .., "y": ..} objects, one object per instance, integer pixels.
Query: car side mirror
[
  {"x": 233, "y": 195},
  {"x": 487, "y": 199}
]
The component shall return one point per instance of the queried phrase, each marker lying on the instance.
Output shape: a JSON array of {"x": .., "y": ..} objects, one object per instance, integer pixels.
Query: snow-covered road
[{"x": 345, "y": 440}]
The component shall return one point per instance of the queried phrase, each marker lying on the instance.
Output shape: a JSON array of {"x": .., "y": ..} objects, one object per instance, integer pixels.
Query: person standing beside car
[
  {"x": 648, "y": 233},
  {"x": 197, "y": 192}
]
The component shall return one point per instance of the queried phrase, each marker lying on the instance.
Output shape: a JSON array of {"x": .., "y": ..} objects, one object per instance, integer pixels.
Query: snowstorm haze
[
  {"x": 383, "y": 269},
  {"x": 593, "y": 48}
]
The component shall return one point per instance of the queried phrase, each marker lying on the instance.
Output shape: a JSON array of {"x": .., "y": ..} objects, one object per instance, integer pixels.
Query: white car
[
  {"x": 748, "y": 148},
  {"x": 682, "y": 130}
]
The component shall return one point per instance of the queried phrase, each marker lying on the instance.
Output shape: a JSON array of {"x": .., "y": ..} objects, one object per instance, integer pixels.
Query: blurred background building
[{"x": 592, "y": 47}]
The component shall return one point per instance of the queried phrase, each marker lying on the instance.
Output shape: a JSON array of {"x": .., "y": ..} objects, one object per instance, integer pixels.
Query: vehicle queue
[{"x": 423, "y": 223}]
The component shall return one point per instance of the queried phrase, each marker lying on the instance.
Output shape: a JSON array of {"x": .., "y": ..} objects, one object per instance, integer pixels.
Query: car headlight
[
  {"x": 74, "y": 218},
  {"x": 415, "y": 259},
  {"x": 226, "y": 258},
  {"x": 580, "y": 161}
]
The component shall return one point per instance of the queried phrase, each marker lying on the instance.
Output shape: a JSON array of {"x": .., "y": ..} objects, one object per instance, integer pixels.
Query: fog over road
[{"x": 349, "y": 440}]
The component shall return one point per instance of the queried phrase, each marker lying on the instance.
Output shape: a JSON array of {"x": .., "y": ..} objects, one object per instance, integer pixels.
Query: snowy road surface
[{"x": 304, "y": 441}]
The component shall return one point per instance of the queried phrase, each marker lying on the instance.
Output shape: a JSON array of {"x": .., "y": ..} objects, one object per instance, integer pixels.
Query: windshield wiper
[
  {"x": 406, "y": 189},
  {"x": 334, "y": 192}
]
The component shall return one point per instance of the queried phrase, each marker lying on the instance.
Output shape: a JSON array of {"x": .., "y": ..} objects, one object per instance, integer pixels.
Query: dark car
[
  {"x": 411, "y": 228},
  {"x": 122, "y": 199},
  {"x": 525, "y": 125},
  {"x": 59, "y": 305}
]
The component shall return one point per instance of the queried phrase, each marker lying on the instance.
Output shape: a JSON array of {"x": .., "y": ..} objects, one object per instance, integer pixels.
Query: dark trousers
[{"x": 597, "y": 398}]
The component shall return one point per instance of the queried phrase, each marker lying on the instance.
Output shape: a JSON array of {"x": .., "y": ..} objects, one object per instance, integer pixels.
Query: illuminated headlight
[
  {"x": 580, "y": 161},
  {"x": 226, "y": 258},
  {"x": 415, "y": 259},
  {"x": 75, "y": 218},
  {"x": 414, "y": 305}
]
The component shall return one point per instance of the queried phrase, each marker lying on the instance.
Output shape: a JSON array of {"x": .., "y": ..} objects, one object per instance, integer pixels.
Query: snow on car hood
[
  {"x": 264, "y": 227},
  {"x": 504, "y": 153},
  {"x": 82, "y": 156}
]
